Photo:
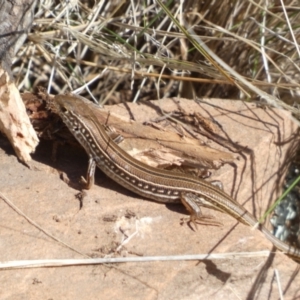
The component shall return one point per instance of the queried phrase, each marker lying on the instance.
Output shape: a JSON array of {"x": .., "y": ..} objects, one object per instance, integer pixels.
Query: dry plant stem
[
  {"x": 110, "y": 260},
  {"x": 141, "y": 74}
]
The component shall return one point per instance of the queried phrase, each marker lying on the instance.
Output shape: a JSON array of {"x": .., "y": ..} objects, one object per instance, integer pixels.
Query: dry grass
[{"x": 116, "y": 51}]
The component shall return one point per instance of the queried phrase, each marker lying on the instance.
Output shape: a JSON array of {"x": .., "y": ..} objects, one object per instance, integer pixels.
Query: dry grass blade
[
  {"x": 42, "y": 263},
  {"x": 132, "y": 51}
]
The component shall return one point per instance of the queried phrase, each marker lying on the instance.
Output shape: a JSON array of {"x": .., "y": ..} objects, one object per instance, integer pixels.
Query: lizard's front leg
[{"x": 90, "y": 174}]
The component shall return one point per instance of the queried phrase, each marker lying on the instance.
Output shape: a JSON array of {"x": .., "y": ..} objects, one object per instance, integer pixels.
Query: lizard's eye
[{"x": 64, "y": 110}]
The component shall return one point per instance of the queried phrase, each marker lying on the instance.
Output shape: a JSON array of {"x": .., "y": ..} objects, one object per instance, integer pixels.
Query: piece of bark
[
  {"x": 14, "y": 121},
  {"x": 141, "y": 140}
]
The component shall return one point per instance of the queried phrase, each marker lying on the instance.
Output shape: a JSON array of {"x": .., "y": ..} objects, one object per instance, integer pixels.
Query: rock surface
[{"x": 109, "y": 214}]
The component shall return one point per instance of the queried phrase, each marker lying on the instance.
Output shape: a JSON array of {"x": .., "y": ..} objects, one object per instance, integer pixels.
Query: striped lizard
[{"x": 152, "y": 183}]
